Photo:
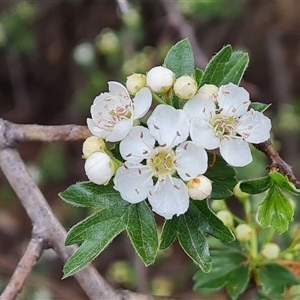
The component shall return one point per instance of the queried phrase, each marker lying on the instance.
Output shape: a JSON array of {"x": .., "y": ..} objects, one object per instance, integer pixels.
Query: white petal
[
  {"x": 137, "y": 145},
  {"x": 200, "y": 106},
  {"x": 203, "y": 135},
  {"x": 236, "y": 152},
  {"x": 141, "y": 103},
  {"x": 191, "y": 160},
  {"x": 233, "y": 100},
  {"x": 133, "y": 182},
  {"x": 168, "y": 125},
  {"x": 170, "y": 199},
  {"x": 120, "y": 130},
  {"x": 95, "y": 130},
  {"x": 120, "y": 90},
  {"x": 254, "y": 127}
]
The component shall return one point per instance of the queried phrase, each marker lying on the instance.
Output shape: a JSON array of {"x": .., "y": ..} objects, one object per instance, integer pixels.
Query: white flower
[
  {"x": 113, "y": 113},
  {"x": 160, "y": 79},
  {"x": 185, "y": 87},
  {"x": 199, "y": 188},
  {"x": 99, "y": 168},
  {"x": 228, "y": 126},
  {"x": 167, "y": 195}
]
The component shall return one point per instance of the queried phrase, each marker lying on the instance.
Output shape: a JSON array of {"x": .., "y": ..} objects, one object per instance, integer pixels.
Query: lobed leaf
[
  {"x": 180, "y": 59},
  {"x": 284, "y": 183},
  {"x": 275, "y": 210},
  {"x": 193, "y": 241},
  {"x": 226, "y": 66},
  {"x": 255, "y": 186},
  {"x": 261, "y": 107},
  {"x": 142, "y": 231},
  {"x": 89, "y": 194}
]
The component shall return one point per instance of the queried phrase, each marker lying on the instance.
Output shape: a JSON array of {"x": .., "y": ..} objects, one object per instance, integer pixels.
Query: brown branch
[
  {"x": 277, "y": 162},
  {"x": 46, "y": 228},
  {"x": 29, "y": 259}
]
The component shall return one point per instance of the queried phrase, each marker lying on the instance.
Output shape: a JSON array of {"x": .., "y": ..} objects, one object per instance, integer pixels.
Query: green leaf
[
  {"x": 275, "y": 210},
  {"x": 142, "y": 231},
  {"x": 259, "y": 106},
  {"x": 238, "y": 281},
  {"x": 89, "y": 194},
  {"x": 255, "y": 186},
  {"x": 86, "y": 253},
  {"x": 210, "y": 223},
  {"x": 198, "y": 75},
  {"x": 103, "y": 223},
  {"x": 180, "y": 59},
  {"x": 169, "y": 233},
  {"x": 222, "y": 176},
  {"x": 274, "y": 278},
  {"x": 284, "y": 183},
  {"x": 223, "y": 264},
  {"x": 226, "y": 66},
  {"x": 192, "y": 239}
]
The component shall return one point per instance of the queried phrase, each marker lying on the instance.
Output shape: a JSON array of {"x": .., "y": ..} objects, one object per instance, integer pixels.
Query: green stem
[
  {"x": 254, "y": 245},
  {"x": 158, "y": 99}
]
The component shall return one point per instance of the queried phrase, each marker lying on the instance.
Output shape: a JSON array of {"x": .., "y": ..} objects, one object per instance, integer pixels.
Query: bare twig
[
  {"x": 30, "y": 257},
  {"x": 277, "y": 162}
]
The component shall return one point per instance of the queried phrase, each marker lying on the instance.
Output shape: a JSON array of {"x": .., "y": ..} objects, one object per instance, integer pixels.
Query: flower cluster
[{"x": 165, "y": 159}]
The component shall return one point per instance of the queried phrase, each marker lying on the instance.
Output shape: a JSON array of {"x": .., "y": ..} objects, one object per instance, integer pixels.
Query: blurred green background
[{"x": 57, "y": 55}]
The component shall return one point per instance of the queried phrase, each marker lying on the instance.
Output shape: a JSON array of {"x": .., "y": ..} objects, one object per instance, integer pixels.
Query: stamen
[
  {"x": 156, "y": 127},
  {"x": 141, "y": 134}
]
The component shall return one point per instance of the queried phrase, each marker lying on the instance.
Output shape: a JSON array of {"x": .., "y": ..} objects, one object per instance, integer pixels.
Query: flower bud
[
  {"x": 99, "y": 168},
  {"x": 199, "y": 188},
  {"x": 107, "y": 42},
  {"x": 92, "y": 144},
  {"x": 135, "y": 82},
  {"x": 226, "y": 217},
  {"x": 160, "y": 79},
  {"x": 84, "y": 54},
  {"x": 243, "y": 232},
  {"x": 210, "y": 90},
  {"x": 217, "y": 205},
  {"x": 185, "y": 87},
  {"x": 270, "y": 251}
]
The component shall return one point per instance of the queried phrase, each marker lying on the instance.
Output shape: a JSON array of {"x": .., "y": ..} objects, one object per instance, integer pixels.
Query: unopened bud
[
  {"x": 210, "y": 90},
  {"x": 217, "y": 205},
  {"x": 160, "y": 79},
  {"x": 226, "y": 217},
  {"x": 243, "y": 232},
  {"x": 270, "y": 251},
  {"x": 199, "y": 188},
  {"x": 135, "y": 82},
  {"x": 185, "y": 87},
  {"x": 92, "y": 144},
  {"x": 99, "y": 168}
]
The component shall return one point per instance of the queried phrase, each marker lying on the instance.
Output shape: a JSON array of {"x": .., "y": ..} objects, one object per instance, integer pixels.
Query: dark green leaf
[
  {"x": 169, "y": 233},
  {"x": 86, "y": 253},
  {"x": 226, "y": 66},
  {"x": 238, "y": 281},
  {"x": 259, "y": 106},
  {"x": 103, "y": 223},
  {"x": 223, "y": 178},
  {"x": 274, "y": 278},
  {"x": 210, "y": 223},
  {"x": 142, "y": 231},
  {"x": 223, "y": 264},
  {"x": 177, "y": 102},
  {"x": 255, "y": 186},
  {"x": 180, "y": 59},
  {"x": 275, "y": 210},
  {"x": 193, "y": 241},
  {"x": 89, "y": 194},
  {"x": 198, "y": 75},
  {"x": 284, "y": 183}
]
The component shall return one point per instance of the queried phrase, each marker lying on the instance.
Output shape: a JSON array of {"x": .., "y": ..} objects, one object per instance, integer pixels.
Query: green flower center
[
  {"x": 161, "y": 162},
  {"x": 224, "y": 126}
]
